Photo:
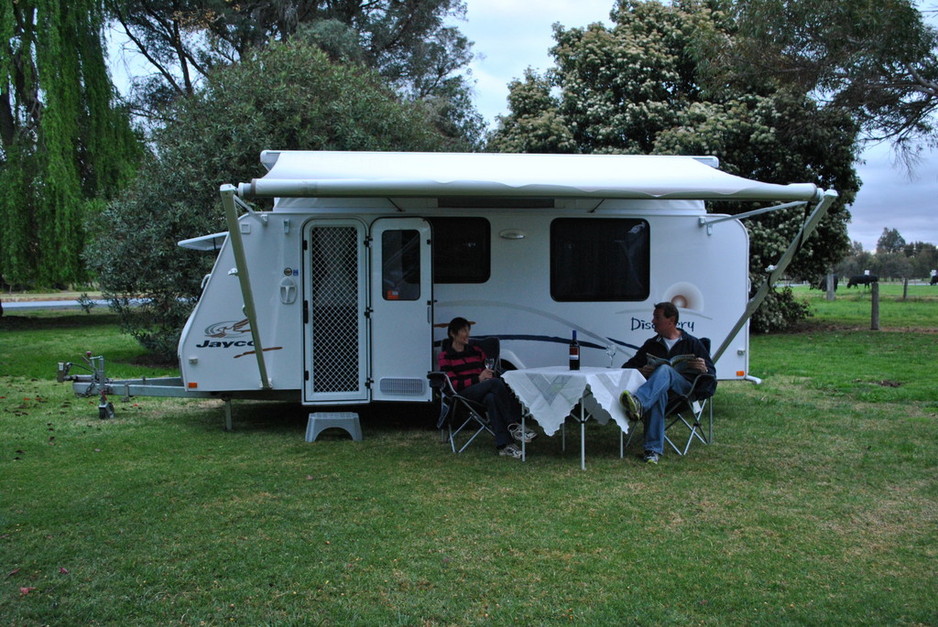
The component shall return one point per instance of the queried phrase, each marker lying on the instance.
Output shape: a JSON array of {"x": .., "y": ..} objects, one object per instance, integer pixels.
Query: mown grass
[{"x": 817, "y": 504}]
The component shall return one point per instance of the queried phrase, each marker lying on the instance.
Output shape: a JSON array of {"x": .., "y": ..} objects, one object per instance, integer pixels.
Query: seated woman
[{"x": 464, "y": 364}]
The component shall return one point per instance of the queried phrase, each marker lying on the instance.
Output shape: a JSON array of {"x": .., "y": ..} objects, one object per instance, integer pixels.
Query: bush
[
  {"x": 289, "y": 96},
  {"x": 780, "y": 311}
]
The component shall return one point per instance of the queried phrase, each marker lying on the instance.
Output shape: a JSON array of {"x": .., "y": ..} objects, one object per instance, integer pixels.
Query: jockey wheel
[{"x": 105, "y": 408}]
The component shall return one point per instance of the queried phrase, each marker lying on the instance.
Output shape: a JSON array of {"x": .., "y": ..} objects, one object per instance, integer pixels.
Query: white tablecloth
[{"x": 549, "y": 394}]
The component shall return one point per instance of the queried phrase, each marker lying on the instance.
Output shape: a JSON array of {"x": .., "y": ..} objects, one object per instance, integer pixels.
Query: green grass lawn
[{"x": 817, "y": 503}]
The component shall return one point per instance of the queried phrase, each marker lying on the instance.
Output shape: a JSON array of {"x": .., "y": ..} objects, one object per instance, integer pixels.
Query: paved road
[{"x": 24, "y": 305}]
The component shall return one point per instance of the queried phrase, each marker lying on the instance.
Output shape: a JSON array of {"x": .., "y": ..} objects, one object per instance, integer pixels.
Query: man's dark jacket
[{"x": 688, "y": 344}]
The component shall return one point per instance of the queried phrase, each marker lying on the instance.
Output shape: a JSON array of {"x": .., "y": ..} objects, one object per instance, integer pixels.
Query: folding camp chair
[
  {"x": 684, "y": 413},
  {"x": 458, "y": 414}
]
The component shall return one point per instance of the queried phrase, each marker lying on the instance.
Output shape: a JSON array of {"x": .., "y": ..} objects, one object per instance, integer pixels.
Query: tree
[
  {"x": 856, "y": 262},
  {"x": 64, "y": 145},
  {"x": 876, "y": 61},
  {"x": 288, "y": 96},
  {"x": 408, "y": 43},
  {"x": 889, "y": 242},
  {"x": 642, "y": 87},
  {"x": 894, "y": 259},
  {"x": 891, "y": 266},
  {"x": 923, "y": 257}
]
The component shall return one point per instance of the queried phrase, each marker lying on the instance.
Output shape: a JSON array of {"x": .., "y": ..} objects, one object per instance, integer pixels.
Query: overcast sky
[{"x": 509, "y": 36}]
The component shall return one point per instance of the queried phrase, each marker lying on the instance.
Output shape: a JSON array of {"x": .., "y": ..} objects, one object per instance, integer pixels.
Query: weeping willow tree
[{"x": 65, "y": 148}]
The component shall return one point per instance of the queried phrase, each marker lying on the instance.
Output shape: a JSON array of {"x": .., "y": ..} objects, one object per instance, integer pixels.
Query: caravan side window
[
  {"x": 461, "y": 250},
  {"x": 603, "y": 259}
]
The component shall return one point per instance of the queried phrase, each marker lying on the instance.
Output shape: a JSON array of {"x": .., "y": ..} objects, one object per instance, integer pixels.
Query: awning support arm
[
  {"x": 708, "y": 221},
  {"x": 260, "y": 216},
  {"x": 228, "y": 200},
  {"x": 776, "y": 271}
]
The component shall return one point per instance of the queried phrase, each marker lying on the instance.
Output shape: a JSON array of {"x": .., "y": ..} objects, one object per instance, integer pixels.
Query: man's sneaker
[
  {"x": 650, "y": 457},
  {"x": 516, "y": 433},
  {"x": 510, "y": 450},
  {"x": 633, "y": 409}
]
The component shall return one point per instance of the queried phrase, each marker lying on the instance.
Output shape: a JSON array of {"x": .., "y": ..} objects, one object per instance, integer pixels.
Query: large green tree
[
  {"x": 408, "y": 42},
  {"x": 286, "y": 96},
  {"x": 890, "y": 242},
  {"x": 893, "y": 258},
  {"x": 64, "y": 145},
  {"x": 876, "y": 61},
  {"x": 644, "y": 86}
]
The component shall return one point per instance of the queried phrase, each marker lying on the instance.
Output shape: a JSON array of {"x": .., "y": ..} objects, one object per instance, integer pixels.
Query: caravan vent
[{"x": 403, "y": 387}]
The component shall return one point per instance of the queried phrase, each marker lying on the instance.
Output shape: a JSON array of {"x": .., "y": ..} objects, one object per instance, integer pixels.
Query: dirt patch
[{"x": 886, "y": 383}]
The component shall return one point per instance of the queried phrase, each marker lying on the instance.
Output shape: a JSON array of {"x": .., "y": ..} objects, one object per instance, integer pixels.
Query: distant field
[{"x": 852, "y": 307}]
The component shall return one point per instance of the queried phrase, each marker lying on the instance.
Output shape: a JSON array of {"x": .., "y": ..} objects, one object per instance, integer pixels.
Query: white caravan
[{"x": 339, "y": 294}]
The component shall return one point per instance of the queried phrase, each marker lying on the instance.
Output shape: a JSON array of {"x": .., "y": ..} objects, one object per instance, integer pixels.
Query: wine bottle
[{"x": 574, "y": 353}]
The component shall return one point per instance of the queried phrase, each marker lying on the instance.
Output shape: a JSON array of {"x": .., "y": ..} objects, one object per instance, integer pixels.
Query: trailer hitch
[{"x": 97, "y": 381}]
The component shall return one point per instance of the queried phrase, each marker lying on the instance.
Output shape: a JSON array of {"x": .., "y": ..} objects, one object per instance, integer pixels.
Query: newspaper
[{"x": 681, "y": 363}]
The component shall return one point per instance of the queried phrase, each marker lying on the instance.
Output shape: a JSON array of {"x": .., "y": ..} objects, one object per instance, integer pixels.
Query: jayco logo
[
  {"x": 226, "y": 329},
  {"x": 645, "y": 325},
  {"x": 224, "y": 344}
]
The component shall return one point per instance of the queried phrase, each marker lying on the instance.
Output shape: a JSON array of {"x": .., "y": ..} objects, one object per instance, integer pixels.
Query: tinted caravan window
[
  {"x": 400, "y": 265},
  {"x": 599, "y": 260},
  {"x": 461, "y": 250}
]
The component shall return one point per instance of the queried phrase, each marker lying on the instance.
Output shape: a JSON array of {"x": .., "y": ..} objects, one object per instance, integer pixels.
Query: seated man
[
  {"x": 464, "y": 364},
  {"x": 649, "y": 401}
]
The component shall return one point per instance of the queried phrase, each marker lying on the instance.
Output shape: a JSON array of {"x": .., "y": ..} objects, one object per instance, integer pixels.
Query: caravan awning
[{"x": 415, "y": 174}]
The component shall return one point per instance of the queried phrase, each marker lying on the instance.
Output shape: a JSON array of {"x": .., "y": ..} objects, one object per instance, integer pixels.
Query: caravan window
[
  {"x": 400, "y": 265},
  {"x": 599, "y": 260},
  {"x": 461, "y": 250}
]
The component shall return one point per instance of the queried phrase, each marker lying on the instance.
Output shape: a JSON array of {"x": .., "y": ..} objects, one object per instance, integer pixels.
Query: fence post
[
  {"x": 905, "y": 288},
  {"x": 830, "y": 286},
  {"x": 874, "y": 306}
]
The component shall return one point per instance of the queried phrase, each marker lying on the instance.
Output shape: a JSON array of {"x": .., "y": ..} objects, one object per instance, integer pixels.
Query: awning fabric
[{"x": 414, "y": 174}]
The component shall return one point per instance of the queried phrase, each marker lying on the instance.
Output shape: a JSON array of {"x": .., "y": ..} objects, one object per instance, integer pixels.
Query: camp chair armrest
[
  {"x": 437, "y": 379},
  {"x": 696, "y": 391},
  {"x": 443, "y": 385}
]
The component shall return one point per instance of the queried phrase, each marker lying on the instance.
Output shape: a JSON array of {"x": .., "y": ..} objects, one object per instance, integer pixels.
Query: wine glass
[
  {"x": 611, "y": 352},
  {"x": 490, "y": 364}
]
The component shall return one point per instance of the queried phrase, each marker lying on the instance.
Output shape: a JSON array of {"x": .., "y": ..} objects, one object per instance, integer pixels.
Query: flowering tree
[{"x": 645, "y": 86}]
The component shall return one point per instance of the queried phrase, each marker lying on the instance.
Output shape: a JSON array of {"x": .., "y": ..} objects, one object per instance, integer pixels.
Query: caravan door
[
  {"x": 334, "y": 300},
  {"x": 402, "y": 309}
]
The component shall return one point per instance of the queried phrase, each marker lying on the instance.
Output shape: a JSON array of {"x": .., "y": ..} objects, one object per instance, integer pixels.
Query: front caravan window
[
  {"x": 461, "y": 250},
  {"x": 599, "y": 260}
]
